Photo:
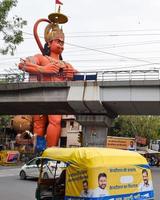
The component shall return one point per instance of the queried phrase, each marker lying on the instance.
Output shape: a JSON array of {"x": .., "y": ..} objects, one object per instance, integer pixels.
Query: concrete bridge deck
[{"x": 111, "y": 98}]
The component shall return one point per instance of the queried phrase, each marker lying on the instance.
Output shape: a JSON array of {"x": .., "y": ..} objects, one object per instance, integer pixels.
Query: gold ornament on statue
[{"x": 52, "y": 30}]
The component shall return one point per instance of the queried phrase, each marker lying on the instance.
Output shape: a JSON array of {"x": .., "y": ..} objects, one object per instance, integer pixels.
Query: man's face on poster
[
  {"x": 102, "y": 182},
  {"x": 145, "y": 178},
  {"x": 85, "y": 186},
  {"x": 131, "y": 144}
]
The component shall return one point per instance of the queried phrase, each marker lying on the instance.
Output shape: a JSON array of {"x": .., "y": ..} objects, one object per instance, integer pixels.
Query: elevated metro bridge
[
  {"x": 95, "y": 98},
  {"x": 108, "y": 93}
]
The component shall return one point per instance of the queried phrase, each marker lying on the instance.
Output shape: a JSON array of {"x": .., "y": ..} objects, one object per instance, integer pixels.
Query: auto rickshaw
[{"x": 97, "y": 174}]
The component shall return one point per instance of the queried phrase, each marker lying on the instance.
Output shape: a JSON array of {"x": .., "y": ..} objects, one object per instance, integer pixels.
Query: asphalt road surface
[
  {"x": 11, "y": 188},
  {"x": 156, "y": 181}
]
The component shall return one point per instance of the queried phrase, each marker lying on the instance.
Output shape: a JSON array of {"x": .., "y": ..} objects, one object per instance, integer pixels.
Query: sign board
[
  {"x": 125, "y": 143},
  {"x": 9, "y": 157}
]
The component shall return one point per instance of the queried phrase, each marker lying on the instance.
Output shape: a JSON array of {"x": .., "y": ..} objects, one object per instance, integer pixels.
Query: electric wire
[{"x": 110, "y": 53}]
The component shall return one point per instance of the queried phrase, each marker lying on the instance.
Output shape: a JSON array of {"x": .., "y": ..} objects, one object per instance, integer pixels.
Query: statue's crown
[{"x": 52, "y": 30}]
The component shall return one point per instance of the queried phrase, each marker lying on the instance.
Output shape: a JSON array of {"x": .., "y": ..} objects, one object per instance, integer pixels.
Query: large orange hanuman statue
[{"x": 49, "y": 66}]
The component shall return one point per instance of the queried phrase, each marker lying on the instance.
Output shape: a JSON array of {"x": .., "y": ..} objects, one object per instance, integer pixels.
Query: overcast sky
[{"x": 100, "y": 34}]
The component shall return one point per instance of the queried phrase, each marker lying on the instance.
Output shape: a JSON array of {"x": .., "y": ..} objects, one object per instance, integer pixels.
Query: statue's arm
[
  {"x": 33, "y": 65},
  {"x": 30, "y": 64},
  {"x": 28, "y": 67}
]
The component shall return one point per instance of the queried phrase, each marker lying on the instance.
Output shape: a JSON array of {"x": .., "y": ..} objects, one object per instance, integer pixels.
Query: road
[
  {"x": 156, "y": 181},
  {"x": 11, "y": 188}
]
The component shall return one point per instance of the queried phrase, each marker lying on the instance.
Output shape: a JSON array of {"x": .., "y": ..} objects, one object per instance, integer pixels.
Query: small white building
[{"x": 70, "y": 131}]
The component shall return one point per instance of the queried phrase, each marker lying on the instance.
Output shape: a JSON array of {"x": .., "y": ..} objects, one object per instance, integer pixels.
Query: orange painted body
[
  {"x": 48, "y": 68},
  {"x": 51, "y": 125}
]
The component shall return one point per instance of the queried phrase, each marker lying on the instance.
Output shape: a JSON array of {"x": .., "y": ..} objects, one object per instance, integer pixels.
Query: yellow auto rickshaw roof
[{"x": 89, "y": 157}]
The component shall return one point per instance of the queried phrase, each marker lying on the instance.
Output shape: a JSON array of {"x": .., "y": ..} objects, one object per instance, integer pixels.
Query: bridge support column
[{"x": 95, "y": 129}]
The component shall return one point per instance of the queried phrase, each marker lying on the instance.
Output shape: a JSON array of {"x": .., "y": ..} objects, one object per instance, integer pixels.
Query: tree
[
  {"x": 11, "y": 31},
  {"x": 5, "y": 121},
  {"x": 131, "y": 126}
]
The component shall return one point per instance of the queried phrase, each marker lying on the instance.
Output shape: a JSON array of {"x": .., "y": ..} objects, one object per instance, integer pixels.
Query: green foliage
[
  {"x": 5, "y": 120},
  {"x": 131, "y": 126},
  {"x": 11, "y": 31}
]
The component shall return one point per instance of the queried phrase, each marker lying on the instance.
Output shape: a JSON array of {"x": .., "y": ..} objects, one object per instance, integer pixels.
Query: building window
[
  {"x": 72, "y": 124},
  {"x": 63, "y": 124}
]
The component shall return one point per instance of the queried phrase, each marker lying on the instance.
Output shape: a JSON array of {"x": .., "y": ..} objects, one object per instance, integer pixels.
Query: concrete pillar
[{"x": 95, "y": 129}]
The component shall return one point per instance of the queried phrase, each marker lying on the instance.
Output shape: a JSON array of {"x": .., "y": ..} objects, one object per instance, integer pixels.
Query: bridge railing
[
  {"x": 121, "y": 75},
  {"x": 129, "y": 75},
  {"x": 13, "y": 78},
  {"x": 87, "y": 76}
]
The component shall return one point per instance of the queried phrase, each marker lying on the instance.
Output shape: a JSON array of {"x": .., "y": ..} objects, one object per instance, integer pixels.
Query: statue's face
[{"x": 57, "y": 45}]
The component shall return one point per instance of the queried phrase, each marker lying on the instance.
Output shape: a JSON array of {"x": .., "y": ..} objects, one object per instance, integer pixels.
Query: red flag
[{"x": 58, "y": 2}]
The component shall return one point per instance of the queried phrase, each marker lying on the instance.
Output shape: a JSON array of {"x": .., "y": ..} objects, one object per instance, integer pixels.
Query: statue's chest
[{"x": 48, "y": 60}]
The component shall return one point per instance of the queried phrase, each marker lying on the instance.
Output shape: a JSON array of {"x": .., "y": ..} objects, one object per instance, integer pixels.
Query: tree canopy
[
  {"x": 131, "y": 126},
  {"x": 10, "y": 30}
]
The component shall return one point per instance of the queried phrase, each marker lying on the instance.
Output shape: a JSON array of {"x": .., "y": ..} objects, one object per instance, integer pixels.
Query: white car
[{"x": 32, "y": 169}]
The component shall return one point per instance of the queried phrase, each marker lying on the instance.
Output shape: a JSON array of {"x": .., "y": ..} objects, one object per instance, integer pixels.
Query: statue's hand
[
  {"x": 69, "y": 71},
  {"x": 51, "y": 68},
  {"x": 22, "y": 64}
]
